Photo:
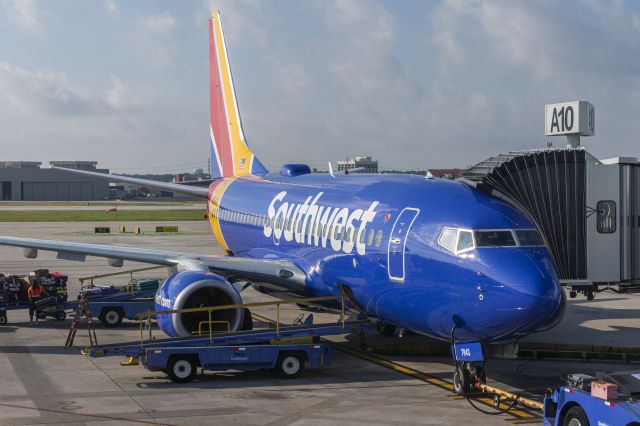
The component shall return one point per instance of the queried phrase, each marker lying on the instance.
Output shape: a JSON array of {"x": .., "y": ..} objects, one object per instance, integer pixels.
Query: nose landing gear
[{"x": 469, "y": 376}]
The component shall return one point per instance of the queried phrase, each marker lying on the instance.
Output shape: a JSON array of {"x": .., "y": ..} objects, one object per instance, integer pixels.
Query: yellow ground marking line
[{"x": 435, "y": 381}]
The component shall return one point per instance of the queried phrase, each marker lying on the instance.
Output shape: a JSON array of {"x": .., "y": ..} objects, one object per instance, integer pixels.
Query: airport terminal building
[{"x": 28, "y": 181}]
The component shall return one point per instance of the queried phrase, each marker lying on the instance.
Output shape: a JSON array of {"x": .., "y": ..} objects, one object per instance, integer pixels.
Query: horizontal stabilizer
[{"x": 194, "y": 191}]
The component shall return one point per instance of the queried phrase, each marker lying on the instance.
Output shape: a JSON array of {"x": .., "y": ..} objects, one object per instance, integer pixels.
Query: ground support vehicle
[
  {"x": 574, "y": 404},
  {"x": 112, "y": 307},
  {"x": 56, "y": 311},
  {"x": 288, "y": 349}
]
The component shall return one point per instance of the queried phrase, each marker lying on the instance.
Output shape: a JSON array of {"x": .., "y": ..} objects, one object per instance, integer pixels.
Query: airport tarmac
[{"x": 42, "y": 383}]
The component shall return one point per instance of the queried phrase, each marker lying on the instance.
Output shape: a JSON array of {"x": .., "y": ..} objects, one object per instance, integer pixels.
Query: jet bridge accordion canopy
[{"x": 550, "y": 186}]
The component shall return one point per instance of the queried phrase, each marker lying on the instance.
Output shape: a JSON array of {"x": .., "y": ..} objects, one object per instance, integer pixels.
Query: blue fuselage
[{"x": 381, "y": 236}]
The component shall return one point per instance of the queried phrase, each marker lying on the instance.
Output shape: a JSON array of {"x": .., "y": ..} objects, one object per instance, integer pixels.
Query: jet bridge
[{"x": 588, "y": 210}]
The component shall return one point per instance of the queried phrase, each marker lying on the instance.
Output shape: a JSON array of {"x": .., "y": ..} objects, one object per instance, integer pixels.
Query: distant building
[
  {"x": 27, "y": 181},
  {"x": 364, "y": 164},
  {"x": 20, "y": 164},
  {"x": 90, "y": 166},
  {"x": 444, "y": 173}
]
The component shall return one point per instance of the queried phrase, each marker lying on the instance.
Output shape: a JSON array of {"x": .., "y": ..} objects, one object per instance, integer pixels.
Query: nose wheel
[{"x": 467, "y": 378}]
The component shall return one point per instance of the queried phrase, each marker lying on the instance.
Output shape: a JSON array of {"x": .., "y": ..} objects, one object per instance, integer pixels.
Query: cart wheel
[
  {"x": 3, "y": 319},
  {"x": 61, "y": 315},
  {"x": 111, "y": 317},
  {"x": 182, "y": 369},
  {"x": 290, "y": 365},
  {"x": 575, "y": 417},
  {"x": 461, "y": 381}
]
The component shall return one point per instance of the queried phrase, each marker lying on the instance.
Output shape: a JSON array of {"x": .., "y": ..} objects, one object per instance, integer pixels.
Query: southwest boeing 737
[{"x": 422, "y": 254}]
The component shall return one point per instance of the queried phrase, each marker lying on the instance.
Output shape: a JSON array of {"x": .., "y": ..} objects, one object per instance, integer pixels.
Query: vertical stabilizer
[{"x": 230, "y": 154}]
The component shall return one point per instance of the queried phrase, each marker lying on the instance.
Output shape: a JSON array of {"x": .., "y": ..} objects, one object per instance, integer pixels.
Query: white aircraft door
[{"x": 397, "y": 243}]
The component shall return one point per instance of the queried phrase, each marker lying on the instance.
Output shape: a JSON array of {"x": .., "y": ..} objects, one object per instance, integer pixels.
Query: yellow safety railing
[
  {"x": 115, "y": 274},
  {"x": 145, "y": 317},
  {"x": 210, "y": 323}
]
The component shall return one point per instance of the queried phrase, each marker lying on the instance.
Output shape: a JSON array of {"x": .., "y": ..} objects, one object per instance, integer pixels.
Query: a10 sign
[{"x": 569, "y": 118}]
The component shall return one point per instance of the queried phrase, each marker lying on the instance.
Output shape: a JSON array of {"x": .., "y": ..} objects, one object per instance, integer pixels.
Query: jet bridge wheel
[
  {"x": 575, "y": 417},
  {"x": 182, "y": 368}
]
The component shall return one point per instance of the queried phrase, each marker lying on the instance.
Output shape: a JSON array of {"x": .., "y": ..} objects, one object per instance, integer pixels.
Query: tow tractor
[
  {"x": 288, "y": 349},
  {"x": 607, "y": 399}
]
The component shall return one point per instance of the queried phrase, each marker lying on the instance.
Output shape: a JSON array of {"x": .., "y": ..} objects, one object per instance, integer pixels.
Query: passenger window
[
  {"x": 362, "y": 234},
  {"x": 347, "y": 235},
  {"x": 448, "y": 239},
  {"x": 606, "y": 217},
  {"x": 378, "y": 238},
  {"x": 308, "y": 228},
  {"x": 299, "y": 226},
  {"x": 465, "y": 241},
  {"x": 370, "y": 237}
]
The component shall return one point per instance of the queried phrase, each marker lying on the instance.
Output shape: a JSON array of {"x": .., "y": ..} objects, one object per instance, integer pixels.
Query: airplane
[{"x": 432, "y": 256}]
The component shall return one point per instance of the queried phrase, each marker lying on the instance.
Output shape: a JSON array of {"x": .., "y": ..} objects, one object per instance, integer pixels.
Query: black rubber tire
[
  {"x": 3, "y": 319},
  {"x": 60, "y": 315},
  {"x": 111, "y": 317},
  {"x": 290, "y": 365},
  {"x": 575, "y": 413},
  {"x": 386, "y": 329},
  {"x": 247, "y": 320},
  {"x": 461, "y": 381},
  {"x": 182, "y": 368}
]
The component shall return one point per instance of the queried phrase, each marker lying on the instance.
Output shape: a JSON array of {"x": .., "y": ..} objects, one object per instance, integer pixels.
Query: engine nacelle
[{"x": 197, "y": 290}]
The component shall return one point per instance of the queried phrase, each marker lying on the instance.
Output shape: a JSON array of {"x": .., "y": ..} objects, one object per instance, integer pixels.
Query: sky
[{"x": 415, "y": 84}]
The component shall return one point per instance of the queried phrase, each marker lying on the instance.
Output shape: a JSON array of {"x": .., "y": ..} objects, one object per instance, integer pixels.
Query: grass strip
[{"x": 101, "y": 216}]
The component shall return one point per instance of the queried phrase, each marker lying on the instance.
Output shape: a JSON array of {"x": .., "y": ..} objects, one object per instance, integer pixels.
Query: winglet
[{"x": 230, "y": 154}]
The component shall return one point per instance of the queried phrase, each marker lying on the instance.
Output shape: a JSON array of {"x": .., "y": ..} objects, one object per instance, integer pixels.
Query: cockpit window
[
  {"x": 448, "y": 239},
  {"x": 529, "y": 237},
  {"x": 494, "y": 238},
  {"x": 465, "y": 241}
]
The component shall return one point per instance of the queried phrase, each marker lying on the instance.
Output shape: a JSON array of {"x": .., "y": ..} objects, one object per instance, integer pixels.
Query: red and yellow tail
[{"x": 230, "y": 154}]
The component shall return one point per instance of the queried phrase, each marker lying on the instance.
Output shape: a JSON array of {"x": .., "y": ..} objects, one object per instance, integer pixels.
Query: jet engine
[{"x": 185, "y": 290}]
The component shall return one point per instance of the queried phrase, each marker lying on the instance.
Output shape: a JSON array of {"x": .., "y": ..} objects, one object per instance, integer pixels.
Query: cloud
[
  {"x": 162, "y": 25},
  {"x": 111, "y": 7},
  {"x": 25, "y": 14},
  {"x": 156, "y": 38},
  {"x": 35, "y": 91}
]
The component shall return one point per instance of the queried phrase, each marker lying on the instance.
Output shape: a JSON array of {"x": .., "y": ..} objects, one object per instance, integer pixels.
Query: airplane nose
[{"x": 538, "y": 294}]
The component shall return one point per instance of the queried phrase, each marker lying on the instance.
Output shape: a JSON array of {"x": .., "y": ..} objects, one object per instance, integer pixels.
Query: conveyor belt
[{"x": 134, "y": 349}]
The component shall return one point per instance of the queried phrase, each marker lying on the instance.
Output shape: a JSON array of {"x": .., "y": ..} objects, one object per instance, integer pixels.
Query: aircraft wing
[
  {"x": 279, "y": 274},
  {"x": 194, "y": 191}
]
